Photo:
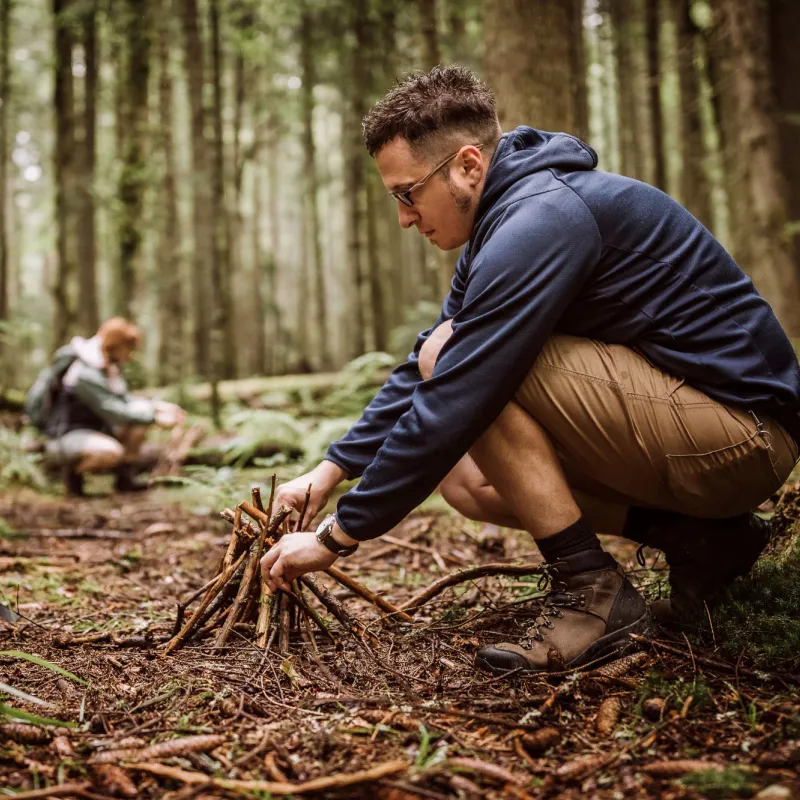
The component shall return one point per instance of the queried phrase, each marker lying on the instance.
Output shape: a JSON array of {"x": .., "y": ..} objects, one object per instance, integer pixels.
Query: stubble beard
[{"x": 463, "y": 204}]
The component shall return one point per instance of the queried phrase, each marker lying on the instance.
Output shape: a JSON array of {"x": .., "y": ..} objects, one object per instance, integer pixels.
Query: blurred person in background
[{"x": 82, "y": 404}]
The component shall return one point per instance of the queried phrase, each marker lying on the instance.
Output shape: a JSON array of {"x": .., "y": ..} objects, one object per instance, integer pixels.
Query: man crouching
[{"x": 600, "y": 364}]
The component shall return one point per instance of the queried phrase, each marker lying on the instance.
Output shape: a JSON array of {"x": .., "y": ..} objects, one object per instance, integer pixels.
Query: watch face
[{"x": 326, "y": 526}]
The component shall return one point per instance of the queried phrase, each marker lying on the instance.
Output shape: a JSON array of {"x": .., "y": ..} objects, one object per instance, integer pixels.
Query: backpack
[{"x": 41, "y": 396}]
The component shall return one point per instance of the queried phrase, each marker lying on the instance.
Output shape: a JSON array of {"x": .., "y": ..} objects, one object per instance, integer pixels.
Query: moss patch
[{"x": 759, "y": 614}]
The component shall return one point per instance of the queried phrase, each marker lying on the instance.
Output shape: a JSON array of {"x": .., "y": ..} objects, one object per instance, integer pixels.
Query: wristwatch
[{"x": 325, "y": 536}]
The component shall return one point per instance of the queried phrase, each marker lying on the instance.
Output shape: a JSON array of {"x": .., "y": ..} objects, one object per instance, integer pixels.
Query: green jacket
[{"x": 93, "y": 395}]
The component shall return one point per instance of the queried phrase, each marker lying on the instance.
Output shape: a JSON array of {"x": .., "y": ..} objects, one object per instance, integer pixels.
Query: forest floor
[{"x": 405, "y": 715}]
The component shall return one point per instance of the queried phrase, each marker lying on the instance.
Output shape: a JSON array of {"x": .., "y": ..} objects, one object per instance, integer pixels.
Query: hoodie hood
[
  {"x": 524, "y": 151},
  {"x": 89, "y": 351}
]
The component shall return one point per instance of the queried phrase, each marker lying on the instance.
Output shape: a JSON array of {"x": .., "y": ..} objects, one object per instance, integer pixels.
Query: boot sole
[{"x": 612, "y": 644}]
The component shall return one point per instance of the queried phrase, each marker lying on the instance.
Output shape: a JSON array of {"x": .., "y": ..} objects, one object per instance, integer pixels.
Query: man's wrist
[
  {"x": 328, "y": 475},
  {"x": 341, "y": 537},
  {"x": 330, "y": 535}
]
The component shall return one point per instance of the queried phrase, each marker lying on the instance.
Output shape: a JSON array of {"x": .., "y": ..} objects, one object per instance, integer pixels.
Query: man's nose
[{"x": 407, "y": 215}]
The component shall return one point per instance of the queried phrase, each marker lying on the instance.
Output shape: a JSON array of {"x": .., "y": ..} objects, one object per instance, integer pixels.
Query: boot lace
[{"x": 552, "y": 604}]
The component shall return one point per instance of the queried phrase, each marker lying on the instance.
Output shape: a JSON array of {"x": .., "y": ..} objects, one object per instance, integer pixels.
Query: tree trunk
[
  {"x": 221, "y": 273},
  {"x": 302, "y": 356},
  {"x": 5, "y": 83},
  {"x": 695, "y": 191},
  {"x": 171, "y": 306},
  {"x": 202, "y": 222},
  {"x": 277, "y": 349},
  {"x": 763, "y": 248},
  {"x": 260, "y": 364},
  {"x": 390, "y": 231},
  {"x": 311, "y": 190},
  {"x": 376, "y": 287},
  {"x": 64, "y": 153},
  {"x": 223, "y": 351},
  {"x": 429, "y": 34},
  {"x": 354, "y": 176},
  {"x": 785, "y": 57},
  {"x": 456, "y": 42},
  {"x": 245, "y": 285},
  {"x": 580, "y": 92},
  {"x": 624, "y": 20},
  {"x": 542, "y": 36},
  {"x": 132, "y": 181},
  {"x": 659, "y": 174},
  {"x": 88, "y": 313},
  {"x": 431, "y": 56},
  {"x": 248, "y": 289}
]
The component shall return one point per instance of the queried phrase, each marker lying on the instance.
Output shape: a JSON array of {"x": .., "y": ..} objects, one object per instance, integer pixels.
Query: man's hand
[
  {"x": 294, "y": 555},
  {"x": 323, "y": 479}
]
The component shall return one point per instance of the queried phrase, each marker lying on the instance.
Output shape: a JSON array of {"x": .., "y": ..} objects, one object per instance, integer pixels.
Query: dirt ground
[{"x": 401, "y": 715}]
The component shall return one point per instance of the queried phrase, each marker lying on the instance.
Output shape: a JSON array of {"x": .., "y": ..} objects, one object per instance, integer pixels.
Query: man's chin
[{"x": 445, "y": 244}]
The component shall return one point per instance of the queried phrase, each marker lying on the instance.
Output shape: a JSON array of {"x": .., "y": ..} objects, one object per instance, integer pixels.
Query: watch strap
[{"x": 325, "y": 537}]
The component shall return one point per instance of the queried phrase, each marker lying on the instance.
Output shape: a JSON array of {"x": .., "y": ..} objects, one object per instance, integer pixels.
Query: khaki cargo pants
[{"x": 631, "y": 434}]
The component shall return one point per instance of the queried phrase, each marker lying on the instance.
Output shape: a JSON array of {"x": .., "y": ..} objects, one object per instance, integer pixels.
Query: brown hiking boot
[
  {"x": 587, "y": 614},
  {"x": 128, "y": 481},
  {"x": 73, "y": 482},
  {"x": 704, "y": 557}
]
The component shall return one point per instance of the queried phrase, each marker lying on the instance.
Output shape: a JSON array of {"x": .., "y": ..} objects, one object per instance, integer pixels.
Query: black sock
[
  {"x": 642, "y": 524},
  {"x": 574, "y": 539},
  {"x": 637, "y": 523}
]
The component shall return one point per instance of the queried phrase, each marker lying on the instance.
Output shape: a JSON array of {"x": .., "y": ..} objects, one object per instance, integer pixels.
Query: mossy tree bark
[
  {"x": 456, "y": 39},
  {"x": 222, "y": 348},
  {"x": 311, "y": 189},
  {"x": 431, "y": 55},
  {"x": 171, "y": 304},
  {"x": 132, "y": 180},
  {"x": 221, "y": 264},
  {"x": 277, "y": 357},
  {"x": 784, "y": 17},
  {"x": 543, "y": 37},
  {"x": 695, "y": 191},
  {"x": 659, "y": 173},
  {"x": 5, "y": 102},
  {"x": 64, "y": 155},
  {"x": 429, "y": 33},
  {"x": 354, "y": 175},
  {"x": 390, "y": 232},
  {"x": 629, "y": 47},
  {"x": 202, "y": 223},
  {"x": 761, "y": 244},
  {"x": 259, "y": 364},
  {"x": 88, "y": 311}
]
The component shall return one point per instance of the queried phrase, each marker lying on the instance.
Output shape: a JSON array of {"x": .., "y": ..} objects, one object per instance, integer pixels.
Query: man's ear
[{"x": 472, "y": 164}]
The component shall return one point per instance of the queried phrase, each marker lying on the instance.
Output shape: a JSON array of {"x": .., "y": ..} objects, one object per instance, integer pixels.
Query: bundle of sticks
[{"x": 236, "y": 597}]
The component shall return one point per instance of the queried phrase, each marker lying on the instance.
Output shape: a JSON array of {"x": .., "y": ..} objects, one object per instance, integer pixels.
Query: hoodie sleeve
[
  {"x": 532, "y": 265},
  {"x": 93, "y": 391},
  {"x": 356, "y": 449}
]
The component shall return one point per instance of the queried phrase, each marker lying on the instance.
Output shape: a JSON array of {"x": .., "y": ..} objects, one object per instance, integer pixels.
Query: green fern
[
  {"x": 358, "y": 383},
  {"x": 18, "y": 467},
  {"x": 262, "y": 433}
]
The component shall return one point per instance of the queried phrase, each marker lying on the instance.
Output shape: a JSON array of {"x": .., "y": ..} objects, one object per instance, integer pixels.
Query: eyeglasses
[{"x": 405, "y": 197}]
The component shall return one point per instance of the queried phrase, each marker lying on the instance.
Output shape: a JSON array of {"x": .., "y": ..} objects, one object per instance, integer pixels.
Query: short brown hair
[
  {"x": 425, "y": 105},
  {"x": 118, "y": 332}
]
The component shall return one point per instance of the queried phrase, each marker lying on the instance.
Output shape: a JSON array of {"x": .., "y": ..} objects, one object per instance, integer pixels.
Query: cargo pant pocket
[{"x": 722, "y": 483}]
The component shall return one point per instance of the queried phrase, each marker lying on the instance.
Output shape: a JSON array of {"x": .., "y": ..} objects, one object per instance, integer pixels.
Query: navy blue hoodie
[{"x": 558, "y": 246}]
